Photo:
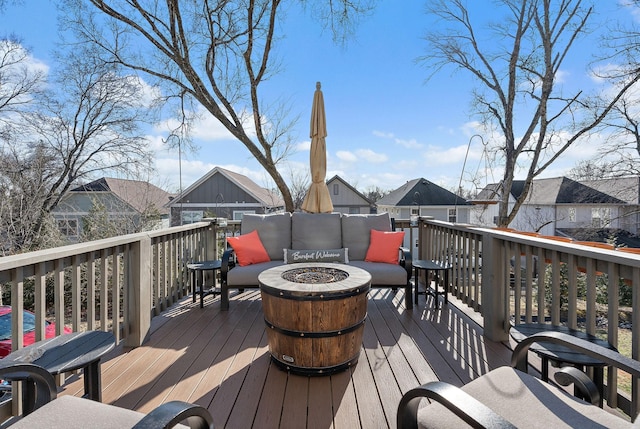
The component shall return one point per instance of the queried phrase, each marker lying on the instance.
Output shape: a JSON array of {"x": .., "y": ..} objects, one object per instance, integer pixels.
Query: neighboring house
[
  {"x": 347, "y": 199},
  {"x": 561, "y": 206},
  {"x": 132, "y": 203},
  {"x": 424, "y": 198},
  {"x": 222, "y": 193}
]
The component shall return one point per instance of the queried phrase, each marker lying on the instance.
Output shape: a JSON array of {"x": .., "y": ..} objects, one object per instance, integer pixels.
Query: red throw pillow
[
  {"x": 384, "y": 246},
  {"x": 249, "y": 248}
]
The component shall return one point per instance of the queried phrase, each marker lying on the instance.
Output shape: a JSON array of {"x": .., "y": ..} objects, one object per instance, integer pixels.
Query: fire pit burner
[{"x": 314, "y": 275}]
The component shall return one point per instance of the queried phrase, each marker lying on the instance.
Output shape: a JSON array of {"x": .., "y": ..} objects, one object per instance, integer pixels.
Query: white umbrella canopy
[{"x": 318, "y": 199}]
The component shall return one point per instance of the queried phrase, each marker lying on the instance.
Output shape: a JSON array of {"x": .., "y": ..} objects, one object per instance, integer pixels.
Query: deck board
[{"x": 221, "y": 360}]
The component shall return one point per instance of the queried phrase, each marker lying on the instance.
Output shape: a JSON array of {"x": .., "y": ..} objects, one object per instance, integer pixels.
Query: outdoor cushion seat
[
  {"x": 44, "y": 410},
  {"x": 509, "y": 397},
  {"x": 347, "y": 235}
]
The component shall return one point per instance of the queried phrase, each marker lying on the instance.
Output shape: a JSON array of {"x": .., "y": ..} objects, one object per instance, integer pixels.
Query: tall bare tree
[
  {"x": 20, "y": 78},
  {"x": 89, "y": 125},
  {"x": 517, "y": 70},
  {"x": 216, "y": 53}
]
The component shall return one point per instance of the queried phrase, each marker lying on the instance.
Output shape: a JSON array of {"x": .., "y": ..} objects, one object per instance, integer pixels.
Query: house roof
[
  {"x": 263, "y": 195},
  {"x": 557, "y": 190},
  {"x": 138, "y": 194},
  {"x": 341, "y": 180},
  {"x": 421, "y": 192},
  {"x": 626, "y": 189},
  {"x": 562, "y": 190}
]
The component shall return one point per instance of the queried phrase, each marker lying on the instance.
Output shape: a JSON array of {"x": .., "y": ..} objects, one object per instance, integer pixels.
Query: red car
[{"x": 29, "y": 320}]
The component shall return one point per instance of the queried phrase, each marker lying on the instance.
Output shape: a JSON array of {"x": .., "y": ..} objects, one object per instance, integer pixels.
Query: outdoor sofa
[{"x": 364, "y": 241}]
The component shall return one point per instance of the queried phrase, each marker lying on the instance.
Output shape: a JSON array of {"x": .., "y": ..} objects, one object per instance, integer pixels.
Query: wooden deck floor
[{"x": 221, "y": 360}]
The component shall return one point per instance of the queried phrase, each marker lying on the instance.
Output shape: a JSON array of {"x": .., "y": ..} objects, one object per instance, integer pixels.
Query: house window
[
  {"x": 68, "y": 227},
  {"x": 354, "y": 210},
  {"x": 189, "y": 216},
  {"x": 415, "y": 212},
  {"x": 572, "y": 214},
  {"x": 453, "y": 215},
  {"x": 336, "y": 189},
  {"x": 595, "y": 218},
  {"x": 237, "y": 214}
]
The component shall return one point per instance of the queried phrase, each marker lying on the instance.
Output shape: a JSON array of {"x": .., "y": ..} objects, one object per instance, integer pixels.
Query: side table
[
  {"x": 69, "y": 352},
  {"x": 436, "y": 267},
  {"x": 197, "y": 279},
  {"x": 560, "y": 355}
]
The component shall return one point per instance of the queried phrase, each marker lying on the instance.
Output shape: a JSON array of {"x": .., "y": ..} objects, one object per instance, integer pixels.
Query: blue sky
[{"x": 386, "y": 124}]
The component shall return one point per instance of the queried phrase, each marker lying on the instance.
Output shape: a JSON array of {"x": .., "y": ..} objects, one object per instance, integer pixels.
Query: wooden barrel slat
[{"x": 313, "y": 336}]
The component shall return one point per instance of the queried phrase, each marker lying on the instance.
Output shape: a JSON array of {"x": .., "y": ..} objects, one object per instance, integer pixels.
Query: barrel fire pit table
[{"x": 315, "y": 314}]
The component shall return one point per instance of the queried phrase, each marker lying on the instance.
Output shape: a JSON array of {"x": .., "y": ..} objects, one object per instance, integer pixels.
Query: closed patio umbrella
[{"x": 317, "y": 199}]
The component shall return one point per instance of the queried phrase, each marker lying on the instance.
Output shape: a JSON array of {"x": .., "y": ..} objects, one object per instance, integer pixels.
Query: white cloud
[
  {"x": 383, "y": 134},
  {"x": 304, "y": 146},
  {"x": 371, "y": 156},
  {"x": 346, "y": 156},
  {"x": 408, "y": 144},
  {"x": 205, "y": 127}
]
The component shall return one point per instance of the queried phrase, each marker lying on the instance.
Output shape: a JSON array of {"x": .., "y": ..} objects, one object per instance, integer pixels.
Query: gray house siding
[
  {"x": 219, "y": 188},
  {"x": 75, "y": 207},
  {"x": 347, "y": 199},
  {"x": 222, "y": 193}
]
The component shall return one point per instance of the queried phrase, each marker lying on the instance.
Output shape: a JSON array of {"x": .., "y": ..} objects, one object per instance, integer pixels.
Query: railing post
[
  {"x": 211, "y": 241},
  {"x": 139, "y": 292},
  {"x": 494, "y": 289}
]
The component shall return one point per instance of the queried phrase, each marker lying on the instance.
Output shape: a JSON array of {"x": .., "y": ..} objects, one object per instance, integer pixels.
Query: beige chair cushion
[
  {"x": 525, "y": 401},
  {"x": 71, "y": 412}
]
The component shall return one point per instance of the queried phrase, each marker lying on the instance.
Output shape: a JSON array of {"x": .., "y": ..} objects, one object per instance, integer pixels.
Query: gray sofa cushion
[
  {"x": 383, "y": 274},
  {"x": 248, "y": 275},
  {"x": 539, "y": 405},
  {"x": 274, "y": 231},
  {"x": 356, "y": 232},
  {"x": 316, "y": 231}
]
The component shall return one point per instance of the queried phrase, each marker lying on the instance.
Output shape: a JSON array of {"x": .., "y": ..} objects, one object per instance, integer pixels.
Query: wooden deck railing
[
  {"x": 120, "y": 283},
  {"x": 515, "y": 277},
  {"x": 116, "y": 284}
]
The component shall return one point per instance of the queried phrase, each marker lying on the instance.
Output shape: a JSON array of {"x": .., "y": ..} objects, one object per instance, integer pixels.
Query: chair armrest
[
  {"x": 586, "y": 387},
  {"x": 603, "y": 354},
  {"x": 44, "y": 385},
  {"x": 406, "y": 261},
  {"x": 171, "y": 413},
  {"x": 465, "y": 406},
  {"x": 227, "y": 263}
]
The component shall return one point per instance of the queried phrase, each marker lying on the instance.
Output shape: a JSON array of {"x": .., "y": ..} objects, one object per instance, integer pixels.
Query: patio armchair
[
  {"x": 42, "y": 408},
  {"x": 508, "y": 397}
]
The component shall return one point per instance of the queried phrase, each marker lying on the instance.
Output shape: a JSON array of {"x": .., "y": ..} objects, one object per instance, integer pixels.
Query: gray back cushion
[
  {"x": 274, "y": 231},
  {"x": 315, "y": 231},
  {"x": 356, "y": 232}
]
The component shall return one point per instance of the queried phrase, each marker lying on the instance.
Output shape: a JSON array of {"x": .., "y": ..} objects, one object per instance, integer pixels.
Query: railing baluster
[
  {"x": 76, "y": 292},
  {"x": 58, "y": 293},
  {"x": 40, "y": 299},
  {"x": 104, "y": 299},
  {"x": 91, "y": 292}
]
